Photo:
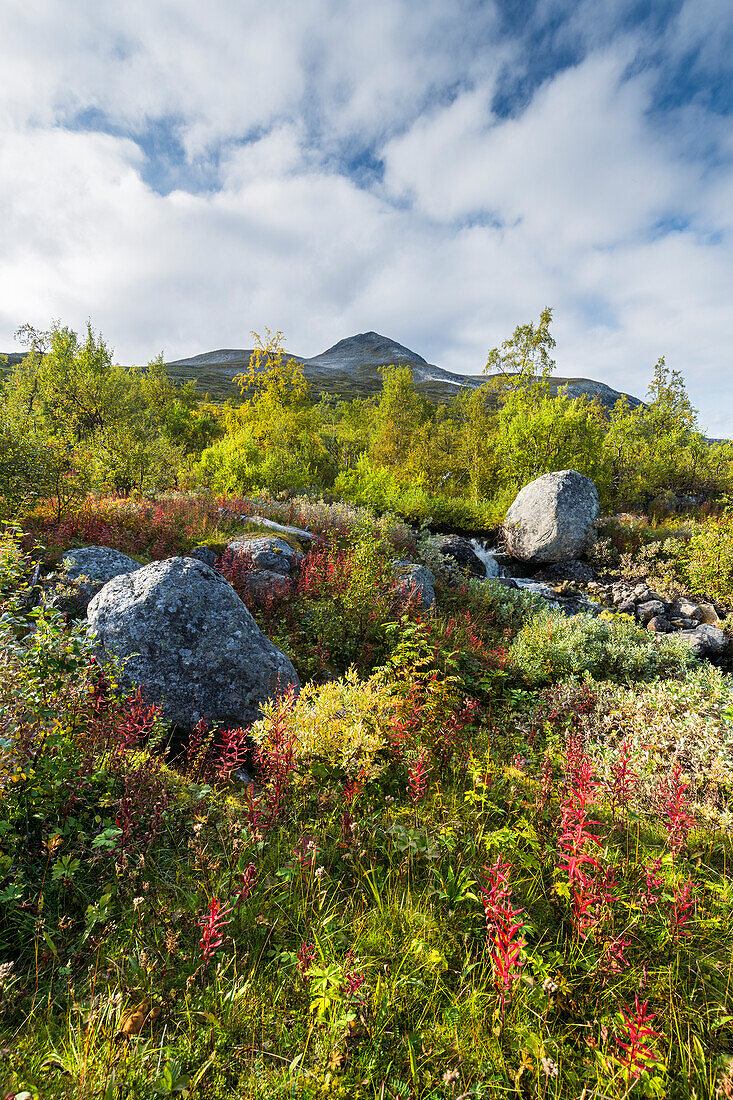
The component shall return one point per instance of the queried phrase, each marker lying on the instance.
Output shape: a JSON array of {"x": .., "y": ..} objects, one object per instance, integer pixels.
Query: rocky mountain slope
[{"x": 351, "y": 368}]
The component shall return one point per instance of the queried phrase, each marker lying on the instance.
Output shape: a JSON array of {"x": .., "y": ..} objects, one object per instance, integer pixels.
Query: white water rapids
[{"x": 494, "y": 569}]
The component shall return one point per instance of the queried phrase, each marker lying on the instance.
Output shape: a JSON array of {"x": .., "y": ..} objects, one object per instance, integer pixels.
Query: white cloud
[
  {"x": 222, "y": 69},
  {"x": 480, "y": 220},
  {"x": 578, "y": 168}
]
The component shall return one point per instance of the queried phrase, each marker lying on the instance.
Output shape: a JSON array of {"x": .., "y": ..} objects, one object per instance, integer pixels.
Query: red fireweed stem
[
  {"x": 212, "y": 926},
  {"x": 637, "y": 1057}
]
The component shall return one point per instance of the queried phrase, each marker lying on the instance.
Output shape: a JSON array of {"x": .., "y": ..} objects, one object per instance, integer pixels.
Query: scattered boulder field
[{"x": 178, "y": 629}]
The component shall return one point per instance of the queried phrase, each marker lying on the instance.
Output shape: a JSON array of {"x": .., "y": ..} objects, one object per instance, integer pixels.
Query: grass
[{"x": 512, "y": 898}]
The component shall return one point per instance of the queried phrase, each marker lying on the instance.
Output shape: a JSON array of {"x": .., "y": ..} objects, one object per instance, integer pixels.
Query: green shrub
[
  {"x": 379, "y": 488},
  {"x": 510, "y": 607},
  {"x": 708, "y": 558},
  {"x": 551, "y": 647}
]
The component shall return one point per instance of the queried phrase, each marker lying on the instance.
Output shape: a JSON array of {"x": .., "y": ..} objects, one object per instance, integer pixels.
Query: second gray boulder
[
  {"x": 552, "y": 518},
  {"x": 81, "y": 574},
  {"x": 267, "y": 552}
]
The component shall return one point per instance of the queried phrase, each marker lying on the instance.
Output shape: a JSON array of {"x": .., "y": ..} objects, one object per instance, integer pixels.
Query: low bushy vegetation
[
  {"x": 551, "y": 647},
  {"x": 485, "y": 852},
  {"x": 484, "y": 859}
]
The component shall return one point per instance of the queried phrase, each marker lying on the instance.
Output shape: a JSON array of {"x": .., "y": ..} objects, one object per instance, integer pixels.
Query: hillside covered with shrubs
[{"x": 479, "y": 845}]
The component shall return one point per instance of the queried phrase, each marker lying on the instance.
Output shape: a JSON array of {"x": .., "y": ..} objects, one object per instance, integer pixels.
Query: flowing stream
[
  {"x": 488, "y": 557},
  {"x": 499, "y": 564}
]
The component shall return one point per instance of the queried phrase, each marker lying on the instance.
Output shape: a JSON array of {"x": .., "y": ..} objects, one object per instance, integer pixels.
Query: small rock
[
  {"x": 708, "y": 614},
  {"x": 659, "y": 624},
  {"x": 648, "y": 610},
  {"x": 578, "y": 571},
  {"x": 687, "y": 609},
  {"x": 462, "y": 553},
  {"x": 415, "y": 582},
  {"x": 626, "y": 607},
  {"x": 706, "y": 640}
]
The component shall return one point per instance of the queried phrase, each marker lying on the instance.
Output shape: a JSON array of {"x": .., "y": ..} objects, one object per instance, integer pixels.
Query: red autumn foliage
[
  {"x": 576, "y": 841},
  {"x": 675, "y": 806},
  {"x": 636, "y": 1035},
  {"x": 212, "y": 926},
  {"x": 503, "y": 928}
]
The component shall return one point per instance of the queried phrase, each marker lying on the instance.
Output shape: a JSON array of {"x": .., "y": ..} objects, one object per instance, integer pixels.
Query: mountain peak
[{"x": 370, "y": 346}]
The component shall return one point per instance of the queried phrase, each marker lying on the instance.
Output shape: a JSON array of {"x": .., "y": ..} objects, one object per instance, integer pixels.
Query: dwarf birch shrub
[
  {"x": 610, "y": 647},
  {"x": 689, "y": 719},
  {"x": 344, "y": 722},
  {"x": 510, "y": 607}
]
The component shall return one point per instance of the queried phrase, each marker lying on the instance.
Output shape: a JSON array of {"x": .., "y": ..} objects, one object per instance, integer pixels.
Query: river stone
[
  {"x": 578, "y": 571},
  {"x": 415, "y": 581},
  {"x": 687, "y": 609},
  {"x": 705, "y": 640},
  {"x": 462, "y": 553},
  {"x": 552, "y": 518},
  {"x": 184, "y": 636},
  {"x": 81, "y": 574},
  {"x": 267, "y": 552},
  {"x": 649, "y": 610}
]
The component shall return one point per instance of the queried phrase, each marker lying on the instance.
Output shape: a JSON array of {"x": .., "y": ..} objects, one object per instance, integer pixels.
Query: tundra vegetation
[{"x": 485, "y": 852}]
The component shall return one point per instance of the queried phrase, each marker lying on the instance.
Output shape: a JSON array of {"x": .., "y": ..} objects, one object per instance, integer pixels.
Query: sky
[{"x": 181, "y": 174}]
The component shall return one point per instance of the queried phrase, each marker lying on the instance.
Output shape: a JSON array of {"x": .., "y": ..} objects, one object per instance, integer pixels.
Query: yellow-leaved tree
[{"x": 275, "y": 439}]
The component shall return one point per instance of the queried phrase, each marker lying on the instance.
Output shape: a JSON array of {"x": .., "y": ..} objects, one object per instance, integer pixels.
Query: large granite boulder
[
  {"x": 81, "y": 574},
  {"x": 552, "y": 518},
  {"x": 415, "y": 582},
  {"x": 267, "y": 552},
  {"x": 184, "y": 636}
]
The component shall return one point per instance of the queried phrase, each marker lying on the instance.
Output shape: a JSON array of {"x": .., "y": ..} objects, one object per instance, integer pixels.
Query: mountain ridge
[{"x": 351, "y": 368}]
